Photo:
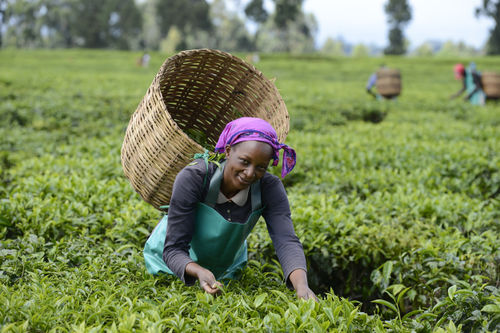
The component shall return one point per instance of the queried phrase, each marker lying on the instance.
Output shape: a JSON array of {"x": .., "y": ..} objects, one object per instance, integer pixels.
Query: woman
[
  {"x": 471, "y": 83},
  {"x": 214, "y": 207}
]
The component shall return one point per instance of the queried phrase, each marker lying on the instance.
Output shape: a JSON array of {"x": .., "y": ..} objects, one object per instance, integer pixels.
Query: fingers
[
  {"x": 313, "y": 296},
  {"x": 211, "y": 288},
  {"x": 309, "y": 294},
  {"x": 207, "y": 281}
]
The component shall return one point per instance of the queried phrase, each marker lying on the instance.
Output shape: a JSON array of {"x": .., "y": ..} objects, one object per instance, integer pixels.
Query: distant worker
[
  {"x": 145, "y": 59},
  {"x": 252, "y": 58},
  {"x": 370, "y": 84},
  {"x": 471, "y": 83},
  {"x": 387, "y": 81}
]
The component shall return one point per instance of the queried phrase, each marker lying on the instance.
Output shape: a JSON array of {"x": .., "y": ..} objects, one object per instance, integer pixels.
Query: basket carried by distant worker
[
  {"x": 388, "y": 82},
  {"x": 192, "y": 97},
  {"x": 491, "y": 84}
]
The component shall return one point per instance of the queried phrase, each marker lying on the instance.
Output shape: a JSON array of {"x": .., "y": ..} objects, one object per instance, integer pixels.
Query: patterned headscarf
[
  {"x": 256, "y": 129},
  {"x": 459, "y": 71}
]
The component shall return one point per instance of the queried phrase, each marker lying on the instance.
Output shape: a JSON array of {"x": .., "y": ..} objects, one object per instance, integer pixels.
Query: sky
[{"x": 364, "y": 21}]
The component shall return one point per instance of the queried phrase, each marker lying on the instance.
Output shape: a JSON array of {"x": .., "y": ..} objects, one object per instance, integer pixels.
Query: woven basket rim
[{"x": 157, "y": 113}]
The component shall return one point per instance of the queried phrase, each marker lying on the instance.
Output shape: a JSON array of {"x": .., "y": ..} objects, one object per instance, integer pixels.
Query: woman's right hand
[
  {"x": 205, "y": 277},
  {"x": 208, "y": 282}
]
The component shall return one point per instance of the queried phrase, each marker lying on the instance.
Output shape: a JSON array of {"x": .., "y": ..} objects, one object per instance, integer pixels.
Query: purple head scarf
[{"x": 256, "y": 129}]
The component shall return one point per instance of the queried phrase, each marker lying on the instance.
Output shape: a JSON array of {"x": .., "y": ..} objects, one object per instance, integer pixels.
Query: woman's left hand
[{"x": 306, "y": 293}]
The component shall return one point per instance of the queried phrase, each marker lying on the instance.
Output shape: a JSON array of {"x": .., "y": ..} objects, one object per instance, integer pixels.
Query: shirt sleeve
[
  {"x": 186, "y": 193},
  {"x": 371, "y": 81},
  {"x": 280, "y": 226}
]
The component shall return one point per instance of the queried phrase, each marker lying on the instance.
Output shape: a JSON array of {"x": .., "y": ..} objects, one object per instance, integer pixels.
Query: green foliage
[
  {"x": 424, "y": 50},
  {"x": 399, "y": 14},
  {"x": 360, "y": 50},
  {"x": 163, "y": 25},
  {"x": 230, "y": 32},
  {"x": 69, "y": 23},
  {"x": 255, "y": 11},
  {"x": 491, "y": 8},
  {"x": 475, "y": 307},
  {"x": 286, "y": 11},
  {"x": 395, "y": 202},
  {"x": 151, "y": 34},
  {"x": 187, "y": 16},
  {"x": 105, "y": 24},
  {"x": 294, "y": 37},
  {"x": 460, "y": 49},
  {"x": 396, "y": 42},
  {"x": 333, "y": 47},
  {"x": 169, "y": 45}
]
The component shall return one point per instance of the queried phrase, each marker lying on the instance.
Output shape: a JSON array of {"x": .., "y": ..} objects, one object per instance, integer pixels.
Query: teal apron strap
[
  {"x": 214, "y": 188},
  {"x": 256, "y": 196}
]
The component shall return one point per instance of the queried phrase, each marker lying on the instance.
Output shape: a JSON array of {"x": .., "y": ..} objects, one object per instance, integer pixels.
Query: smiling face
[{"x": 246, "y": 163}]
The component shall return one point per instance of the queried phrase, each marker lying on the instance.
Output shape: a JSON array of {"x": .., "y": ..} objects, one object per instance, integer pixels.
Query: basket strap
[{"x": 205, "y": 156}]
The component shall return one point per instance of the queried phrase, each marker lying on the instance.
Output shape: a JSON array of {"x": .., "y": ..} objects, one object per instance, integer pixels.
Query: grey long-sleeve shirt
[{"x": 188, "y": 190}]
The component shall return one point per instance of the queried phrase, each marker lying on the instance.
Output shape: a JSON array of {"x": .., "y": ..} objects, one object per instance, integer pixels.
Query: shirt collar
[{"x": 239, "y": 198}]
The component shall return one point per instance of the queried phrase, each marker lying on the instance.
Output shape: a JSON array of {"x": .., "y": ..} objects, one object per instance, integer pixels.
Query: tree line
[
  {"x": 399, "y": 15},
  {"x": 171, "y": 25},
  {"x": 155, "y": 24}
]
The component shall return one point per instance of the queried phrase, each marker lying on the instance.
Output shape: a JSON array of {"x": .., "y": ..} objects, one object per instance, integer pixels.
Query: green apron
[{"x": 217, "y": 244}]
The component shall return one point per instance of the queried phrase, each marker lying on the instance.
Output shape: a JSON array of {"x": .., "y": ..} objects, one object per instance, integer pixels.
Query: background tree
[
  {"x": 399, "y": 14},
  {"x": 288, "y": 29},
  {"x": 286, "y": 11},
  {"x": 150, "y": 25},
  {"x": 297, "y": 37},
  {"x": 3, "y": 6},
  {"x": 60, "y": 19},
  {"x": 68, "y": 23},
  {"x": 360, "y": 50},
  {"x": 230, "y": 32},
  {"x": 103, "y": 24},
  {"x": 23, "y": 21},
  {"x": 460, "y": 49},
  {"x": 39, "y": 23},
  {"x": 169, "y": 44},
  {"x": 491, "y": 9},
  {"x": 333, "y": 47},
  {"x": 256, "y": 12},
  {"x": 188, "y": 16},
  {"x": 424, "y": 50}
]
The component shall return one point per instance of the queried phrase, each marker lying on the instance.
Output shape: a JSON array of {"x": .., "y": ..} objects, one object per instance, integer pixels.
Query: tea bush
[{"x": 395, "y": 202}]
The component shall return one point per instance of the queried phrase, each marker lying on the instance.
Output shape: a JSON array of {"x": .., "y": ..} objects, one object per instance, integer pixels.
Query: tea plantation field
[{"x": 396, "y": 203}]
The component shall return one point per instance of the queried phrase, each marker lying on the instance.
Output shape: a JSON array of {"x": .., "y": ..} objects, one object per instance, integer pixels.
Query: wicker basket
[
  {"x": 195, "y": 91},
  {"x": 388, "y": 82},
  {"x": 491, "y": 84}
]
